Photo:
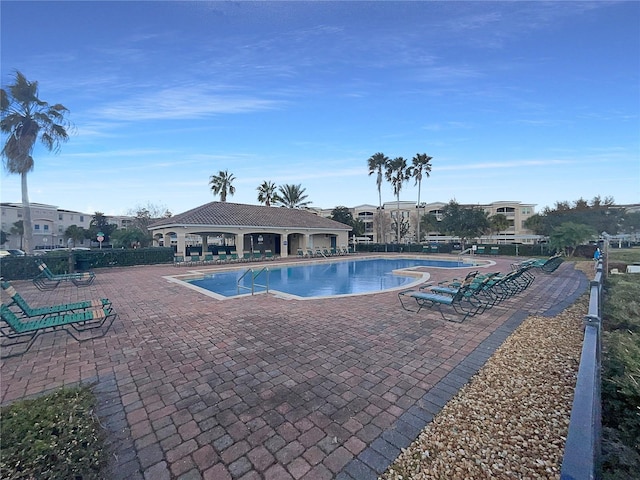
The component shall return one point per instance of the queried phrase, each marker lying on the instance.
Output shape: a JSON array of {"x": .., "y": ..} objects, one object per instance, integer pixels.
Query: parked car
[{"x": 14, "y": 252}]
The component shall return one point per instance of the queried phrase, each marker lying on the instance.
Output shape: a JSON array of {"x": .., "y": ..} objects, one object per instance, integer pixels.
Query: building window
[
  {"x": 526, "y": 211},
  {"x": 46, "y": 228},
  {"x": 81, "y": 218},
  {"x": 60, "y": 216},
  {"x": 36, "y": 227}
]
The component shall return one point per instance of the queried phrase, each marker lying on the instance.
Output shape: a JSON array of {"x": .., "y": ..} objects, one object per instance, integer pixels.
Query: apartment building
[
  {"x": 49, "y": 224},
  {"x": 408, "y": 212},
  {"x": 48, "y": 221}
]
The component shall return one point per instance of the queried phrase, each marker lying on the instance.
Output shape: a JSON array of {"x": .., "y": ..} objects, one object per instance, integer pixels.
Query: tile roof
[{"x": 238, "y": 214}]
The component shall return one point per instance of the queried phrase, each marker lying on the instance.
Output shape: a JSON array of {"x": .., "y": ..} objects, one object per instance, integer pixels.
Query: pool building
[{"x": 219, "y": 226}]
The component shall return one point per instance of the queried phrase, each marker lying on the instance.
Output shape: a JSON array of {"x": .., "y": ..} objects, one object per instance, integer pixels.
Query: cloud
[{"x": 185, "y": 102}]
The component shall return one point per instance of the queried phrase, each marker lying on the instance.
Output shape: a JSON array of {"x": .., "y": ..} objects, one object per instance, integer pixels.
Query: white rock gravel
[{"x": 511, "y": 420}]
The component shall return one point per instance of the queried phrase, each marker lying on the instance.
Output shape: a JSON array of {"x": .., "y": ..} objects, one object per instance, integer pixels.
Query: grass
[
  {"x": 621, "y": 371},
  {"x": 56, "y": 436}
]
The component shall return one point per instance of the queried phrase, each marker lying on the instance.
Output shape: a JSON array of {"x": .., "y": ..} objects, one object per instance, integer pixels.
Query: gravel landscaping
[{"x": 511, "y": 420}]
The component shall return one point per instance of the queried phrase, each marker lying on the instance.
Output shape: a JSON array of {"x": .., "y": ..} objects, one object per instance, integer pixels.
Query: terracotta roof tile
[{"x": 238, "y": 214}]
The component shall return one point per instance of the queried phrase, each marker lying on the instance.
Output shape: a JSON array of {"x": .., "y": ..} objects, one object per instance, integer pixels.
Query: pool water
[{"x": 345, "y": 277}]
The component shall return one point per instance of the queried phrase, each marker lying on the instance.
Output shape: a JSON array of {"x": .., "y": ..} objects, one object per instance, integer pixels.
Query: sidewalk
[{"x": 265, "y": 388}]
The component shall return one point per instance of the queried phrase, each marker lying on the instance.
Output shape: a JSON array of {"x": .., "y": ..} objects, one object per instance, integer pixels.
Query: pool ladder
[{"x": 254, "y": 275}]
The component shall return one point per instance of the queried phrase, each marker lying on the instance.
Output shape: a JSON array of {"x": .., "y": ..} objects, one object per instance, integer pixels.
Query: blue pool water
[{"x": 322, "y": 279}]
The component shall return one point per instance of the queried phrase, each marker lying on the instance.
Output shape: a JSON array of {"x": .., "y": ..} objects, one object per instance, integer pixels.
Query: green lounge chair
[
  {"x": 462, "y": 302},
  {"x": 19, "y": 331},
  {"x": 300, "y": 253},
  {"x": 28, "y": 311},
  {"x": 47, "y": 280},
  {"x": 257, "y": 256},
  {"x": 480, "y": 250},
  {"x": 268, "y": 255},
  {"x": 222, "y": 258},
  {"x": 495, "y": 250},
  {"x": 195, "y": 260},
  {"x": 208, "y": 259},
  {"x": 178, "y": 260}
]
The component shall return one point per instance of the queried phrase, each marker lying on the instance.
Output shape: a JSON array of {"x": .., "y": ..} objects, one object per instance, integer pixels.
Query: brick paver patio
[{"x": 262, "y": 387}]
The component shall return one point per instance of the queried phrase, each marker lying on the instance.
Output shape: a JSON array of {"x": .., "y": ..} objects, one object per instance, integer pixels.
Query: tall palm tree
[
  {"x": 397, "y": 173},
  {"x": 377, "y": 164},
  {"x": 222, "y": 184},
  {"x": 267, "y": 193},
  {"x": 420, "y": 165},
  {"x": 292, "y": 196},
  {"x": 26, "y": 118}
]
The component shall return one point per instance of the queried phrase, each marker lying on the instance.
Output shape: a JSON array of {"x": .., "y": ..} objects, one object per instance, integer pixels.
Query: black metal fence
[{"x": 582, "y": 454}]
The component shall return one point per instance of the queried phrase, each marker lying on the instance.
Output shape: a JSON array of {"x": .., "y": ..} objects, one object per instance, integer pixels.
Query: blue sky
[{"x": 536, "y": 102}]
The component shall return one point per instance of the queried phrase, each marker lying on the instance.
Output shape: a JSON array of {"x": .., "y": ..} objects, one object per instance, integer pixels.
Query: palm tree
[
  {"x": 420, "y": 165},
  {"x": 26, "y": 118},
  {"x": 397, "y": 173},
  {"x": 498, "y": 223},
  {"x": 267, "y": 193},
  {"x": 377, "y": 163},
  {"x": 292, "y": 196},
  {"x": 222, "y": 184}
]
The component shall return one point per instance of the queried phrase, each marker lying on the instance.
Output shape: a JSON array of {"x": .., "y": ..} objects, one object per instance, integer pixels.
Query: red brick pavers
[{"x": 261, "y": 387}]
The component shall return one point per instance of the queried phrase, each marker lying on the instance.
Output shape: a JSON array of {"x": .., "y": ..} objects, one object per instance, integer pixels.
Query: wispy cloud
[
  {"x": 183, "y": 103},
  {"x": 502, "y": 165}
]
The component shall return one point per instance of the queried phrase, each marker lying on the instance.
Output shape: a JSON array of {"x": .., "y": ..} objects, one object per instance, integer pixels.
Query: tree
[
  {"x": 429, "y": 223},
  {"x": 402, "y": 227},
  {"x": 100, "y": 223},
  {"x": 397, "y": 173},
  {"x": 4, "y": 237},
  {"x": 463, "y": 222},
  {"x": 568, "y": 236},
  {"x": 267, "y": 193},
  {"x": 377, "y": 164},
  {"x": 420, "y": 165},
  {"x": 18, "y": 229},
  {"x": 75, "y": 233},
  {"x": 343, "y": 215},
  {"x": 131, "y": 238},
  {"x": 222, "y": 184},
  {"x": 602, "y": 215},
  {"x": 498, "y": 223},
  {"x": 292, "y": 196},
  {"x": 25, "y": 119},
  {"x": 146, "y": 215}
]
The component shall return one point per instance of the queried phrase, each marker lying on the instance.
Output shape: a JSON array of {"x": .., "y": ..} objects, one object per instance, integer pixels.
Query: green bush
[
  {"x": 25, "y": 268},
  {"x": 52, "y": 437},
  {"x": 621, "y": 377}
]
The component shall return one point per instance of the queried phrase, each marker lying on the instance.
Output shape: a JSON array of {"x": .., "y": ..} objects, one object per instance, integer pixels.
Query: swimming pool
[{"x": 346, "y": 277}]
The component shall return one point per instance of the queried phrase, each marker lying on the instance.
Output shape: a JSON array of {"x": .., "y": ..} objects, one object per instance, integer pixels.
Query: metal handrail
[
  {"x": 582, "y": 453},
  {"x": 253, "y": 280}
]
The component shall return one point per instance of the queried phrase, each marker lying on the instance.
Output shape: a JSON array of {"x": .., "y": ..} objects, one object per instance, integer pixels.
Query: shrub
[
  {"x": 52, "y": 437},
  {"x": 621, "y": 377}
]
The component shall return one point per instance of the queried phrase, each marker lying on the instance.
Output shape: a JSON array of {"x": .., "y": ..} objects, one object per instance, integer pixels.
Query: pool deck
[{"x": 260, "y": 387}]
